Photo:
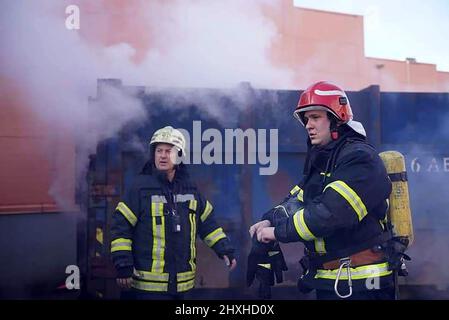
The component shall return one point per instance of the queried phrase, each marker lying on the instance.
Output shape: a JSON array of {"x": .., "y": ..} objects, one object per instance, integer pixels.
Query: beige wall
[{"x": 320, "y": 45}]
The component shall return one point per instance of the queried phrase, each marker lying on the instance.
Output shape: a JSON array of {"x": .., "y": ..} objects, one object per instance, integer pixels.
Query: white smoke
[
  {"x": 212, "y": 44},
  {"x": 206, "y": 44}
]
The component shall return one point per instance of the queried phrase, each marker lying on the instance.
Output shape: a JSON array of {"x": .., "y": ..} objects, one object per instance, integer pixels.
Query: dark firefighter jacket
[
  {"x": 341, "y": 207},
  {"x": 154, "y": 229}
]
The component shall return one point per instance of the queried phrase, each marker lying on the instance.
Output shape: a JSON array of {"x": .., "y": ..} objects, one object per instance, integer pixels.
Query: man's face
[
  {"x": 318, "y": 127},
  {"x": 164, "y": 155}
]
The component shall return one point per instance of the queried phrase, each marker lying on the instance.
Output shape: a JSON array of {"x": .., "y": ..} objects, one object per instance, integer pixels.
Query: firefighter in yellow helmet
[
  {"x": 156, "y": 224},
  {"x": 338, "y": 209}
]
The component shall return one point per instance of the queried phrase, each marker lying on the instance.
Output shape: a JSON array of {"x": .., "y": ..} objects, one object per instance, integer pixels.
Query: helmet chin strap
[
  {"x": 334, "y": 134},
  {"x": 334, "y": 128}
]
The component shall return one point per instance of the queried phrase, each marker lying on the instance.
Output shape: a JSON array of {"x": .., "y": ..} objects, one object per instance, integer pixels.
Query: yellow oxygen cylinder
[{"x": 399, "y": 213}]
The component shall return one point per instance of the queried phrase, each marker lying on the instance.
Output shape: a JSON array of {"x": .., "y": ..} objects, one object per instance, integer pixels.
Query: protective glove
[
  {"x": 283, "y": 211},
  {"x": 277, "y": 261},
  {"x": 395, "y": 253},
  {"x": 265, "y": 263},
  {"x": 224, "y": 248}
]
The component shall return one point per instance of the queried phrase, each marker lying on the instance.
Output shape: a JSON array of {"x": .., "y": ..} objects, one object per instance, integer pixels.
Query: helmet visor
[{"x": 299, "y": 113}]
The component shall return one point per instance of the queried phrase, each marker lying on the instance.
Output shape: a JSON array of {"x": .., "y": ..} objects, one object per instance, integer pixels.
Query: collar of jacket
[
  {"x": 318, "y": 156},
  {"x": 181, "y": 174}
]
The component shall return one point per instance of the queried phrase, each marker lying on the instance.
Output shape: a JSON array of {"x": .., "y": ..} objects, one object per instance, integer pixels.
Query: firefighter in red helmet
[
  {"x": 330, "y": 98},
  {"x": 338, "y": 208}
]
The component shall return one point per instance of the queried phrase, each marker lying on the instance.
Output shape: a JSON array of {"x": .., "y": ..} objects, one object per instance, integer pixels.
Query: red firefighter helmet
[{"x": 324, "y": 96}]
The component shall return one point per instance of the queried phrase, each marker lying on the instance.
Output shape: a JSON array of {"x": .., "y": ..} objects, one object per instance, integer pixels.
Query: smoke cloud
[{"x": 147, "y": 43}]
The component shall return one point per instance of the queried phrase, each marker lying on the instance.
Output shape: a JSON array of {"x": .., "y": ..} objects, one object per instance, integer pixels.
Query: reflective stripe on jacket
[
  {"x": 342, "y": 203},
  {"x": 156, "y": 235}
]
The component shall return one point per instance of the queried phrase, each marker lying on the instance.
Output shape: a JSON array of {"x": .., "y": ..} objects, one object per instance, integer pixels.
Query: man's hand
[
  {"x": 266, "y": 235},
  {"x": 231, "y": 264},
  {"x": 254, "y": 229},
  {"x": 124, "y": 283}
]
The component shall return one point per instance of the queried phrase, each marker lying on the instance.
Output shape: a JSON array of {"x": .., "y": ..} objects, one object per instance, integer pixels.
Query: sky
[{"x": 397, "y": 29}]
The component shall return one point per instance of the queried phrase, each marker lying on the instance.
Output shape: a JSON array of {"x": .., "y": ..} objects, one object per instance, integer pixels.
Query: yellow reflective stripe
[
  {"x": 121, "y": 244},
  {"x": 265, "y": 265},
  {"x": 124, "y": 240},
  {"x": 214, "y": 236},
  {"x": 186, "y": 285},
  {"x": 127, "y": 213},
  {"x": 192, "y": 241},
  {"x": 99, "y": 235},
  {"x": 157, "y": 209},
  {"x": 149, "y": 286},
  {"x": 363, "y": 272},
  {"x": 320, "y": 246},
  {"x": 158, "y": 251},
  {"x": 301, "y": 227},
  {"x": 151, "y": 276},
  {"x": 187, "y": 279},
  {"x": 300, "y": 195},
  {"x": 325, "y": 174},
  {"x": 353, "y": 199},
  {"x": 297, "y": 189},
  {"x": 294, "y": 190},
  {"x": 206, "y": 211},
  {"x": 193, "y": 204},
  {"x": 184, "y": 276}
]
